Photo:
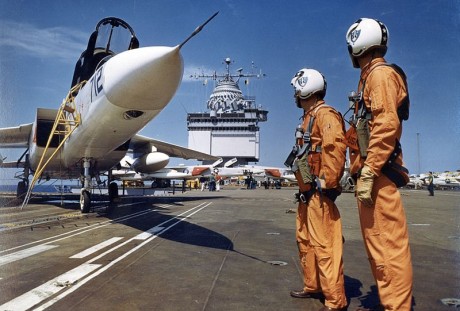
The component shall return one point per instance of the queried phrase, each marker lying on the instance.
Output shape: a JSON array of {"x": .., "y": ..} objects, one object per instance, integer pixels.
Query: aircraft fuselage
[{"x": 121, "y": 97}]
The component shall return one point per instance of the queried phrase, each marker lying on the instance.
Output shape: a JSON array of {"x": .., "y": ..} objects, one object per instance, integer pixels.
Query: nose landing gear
[{"x": 85, "y": 194}]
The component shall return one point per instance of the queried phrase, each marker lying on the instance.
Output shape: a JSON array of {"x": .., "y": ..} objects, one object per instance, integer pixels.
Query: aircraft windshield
[{"x": 114, "y": 36}]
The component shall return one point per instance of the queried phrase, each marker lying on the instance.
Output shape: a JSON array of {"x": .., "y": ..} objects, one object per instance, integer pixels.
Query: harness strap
[
  {"x": 363, "y": 115},
  {"x": 315, "y": 185},
  {"x": 402, "y": 110},
  {"x": 307, "y": 135}
]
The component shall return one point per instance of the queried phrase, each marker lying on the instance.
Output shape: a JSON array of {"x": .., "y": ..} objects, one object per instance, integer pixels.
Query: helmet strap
[{"x": 297, "y": 101}]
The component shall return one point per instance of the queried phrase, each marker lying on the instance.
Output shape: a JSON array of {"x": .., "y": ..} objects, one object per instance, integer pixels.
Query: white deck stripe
[
  {"x": 83, "y": 273},
  {"x": 42, "y": 292},
  {"x": 106, "y": 267},
  {"x": 96, "y": 248},
  {"x": 75, "y": 232},
  {"x": 147, "y": 234},
  {"x": 6, "y": 259}
]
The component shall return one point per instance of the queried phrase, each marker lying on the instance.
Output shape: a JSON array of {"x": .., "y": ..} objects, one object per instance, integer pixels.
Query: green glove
[{"x": 364, "y": 186}]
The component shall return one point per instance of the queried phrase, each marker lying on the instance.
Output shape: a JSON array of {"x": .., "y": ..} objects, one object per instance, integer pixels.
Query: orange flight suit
[
  {"x": 383, "y": 225},
  {"x": 318, "y": 223}
]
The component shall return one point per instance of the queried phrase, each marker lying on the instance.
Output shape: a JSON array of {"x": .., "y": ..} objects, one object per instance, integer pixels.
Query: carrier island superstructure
[{"x": 230, "y": 127}]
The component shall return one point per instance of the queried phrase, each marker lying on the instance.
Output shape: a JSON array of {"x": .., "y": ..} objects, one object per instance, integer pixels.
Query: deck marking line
[
  {"x": 151, "y": 236},
  {"x": 147, "y": 234},
  {"x": 46, "y": 290},
  {"x": 106, "y": 267},
  {"x": 6, "y": 259},
  {"x": 79, "y": 231},
  {"x": 96, "y": 248}
]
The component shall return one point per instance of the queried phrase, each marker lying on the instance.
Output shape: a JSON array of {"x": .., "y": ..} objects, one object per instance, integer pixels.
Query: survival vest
[
  {"x": 304, "y": 174},
  {"x": 360, "y": 120}
]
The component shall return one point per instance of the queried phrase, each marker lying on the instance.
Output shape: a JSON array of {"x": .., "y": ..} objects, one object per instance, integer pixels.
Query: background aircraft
[
  {"x": 440, "y": 180},
  {"x": 132, "y": 170},
  {"x": 347, "y": 183},
  {"x": 279, "y": 173},
  {"x": 117, "y": 88}
]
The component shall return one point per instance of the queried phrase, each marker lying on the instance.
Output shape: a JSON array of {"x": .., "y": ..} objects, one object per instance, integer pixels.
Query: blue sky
[{"x": 40, "y": 41}]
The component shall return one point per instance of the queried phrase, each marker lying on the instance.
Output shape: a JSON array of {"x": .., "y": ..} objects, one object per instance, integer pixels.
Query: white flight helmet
[
  {"x": 307, "y": 82},
  {"x": 366, "y": 34}
]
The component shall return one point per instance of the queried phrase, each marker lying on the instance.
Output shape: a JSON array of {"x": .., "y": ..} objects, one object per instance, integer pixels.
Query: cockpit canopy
[{"x": 112, "y": 36}]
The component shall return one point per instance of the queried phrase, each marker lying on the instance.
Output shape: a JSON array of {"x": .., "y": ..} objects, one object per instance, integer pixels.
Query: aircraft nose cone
[{"x": 144, "y": 78}]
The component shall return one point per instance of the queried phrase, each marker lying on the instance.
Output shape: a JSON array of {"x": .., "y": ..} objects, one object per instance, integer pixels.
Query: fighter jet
[
  {"x": 117, "y": 88},
  {"x": 188, "y": 172},
  {"x": 443, "y": 181},
  {"x": 346, "y": 181},
  {"x": 2, "y": 159},
  {"x": 279, "y": 173},
  {"x": 136, "y": 170},
  {"x": 446, "y": 180}
]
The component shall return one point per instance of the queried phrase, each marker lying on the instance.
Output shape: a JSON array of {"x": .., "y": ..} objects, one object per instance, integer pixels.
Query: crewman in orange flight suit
[
  {"x": 382, "y": 102},
  {"x": 319, "y": 161}
]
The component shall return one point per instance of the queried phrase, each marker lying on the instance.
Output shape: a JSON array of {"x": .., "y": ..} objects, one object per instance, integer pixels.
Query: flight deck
[{"x": 229, "y": 250}]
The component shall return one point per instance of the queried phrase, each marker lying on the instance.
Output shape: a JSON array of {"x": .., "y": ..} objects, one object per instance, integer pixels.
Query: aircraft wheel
[
  {"x": 85, "y": 201},
  {"x": 113, "y": 192},
  {"x": 21, "y": 190}
]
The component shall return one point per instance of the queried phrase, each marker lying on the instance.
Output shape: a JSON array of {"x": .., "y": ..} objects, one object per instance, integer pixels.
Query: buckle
[
  {"x": 306, "y": 138},
  {"x": 302, "y": 198}
]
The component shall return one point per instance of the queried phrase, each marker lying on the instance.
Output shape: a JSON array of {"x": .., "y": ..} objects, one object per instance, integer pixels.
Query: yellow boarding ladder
[{"x": 67, "y": 120}]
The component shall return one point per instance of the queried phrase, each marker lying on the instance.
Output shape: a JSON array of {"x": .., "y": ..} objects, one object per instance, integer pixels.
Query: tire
[
  {"x": 21, "y": 191},
  {"x": 85, "y": 201},
  {"x": 113, "y": 192}
]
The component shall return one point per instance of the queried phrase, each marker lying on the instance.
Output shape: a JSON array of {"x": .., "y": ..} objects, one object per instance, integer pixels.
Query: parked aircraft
[
  {"x": 443, "y": 181},
  {"x": 2, "y": 159},
  {"x": 279, "y": 173},
  {"x": 440, "y": 180},
  {"x": 132, "y": 170},
  {"x": 117, "y": 88}
]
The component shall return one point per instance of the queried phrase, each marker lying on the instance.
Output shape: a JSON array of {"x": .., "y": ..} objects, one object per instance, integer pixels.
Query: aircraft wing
[
  {"x": 15, "y": 137},
  {"x": 143, "y": 143}
]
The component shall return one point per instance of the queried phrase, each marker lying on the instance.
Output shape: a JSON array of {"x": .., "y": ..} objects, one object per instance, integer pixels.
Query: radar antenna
[{"x": 228, "y": 76}]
